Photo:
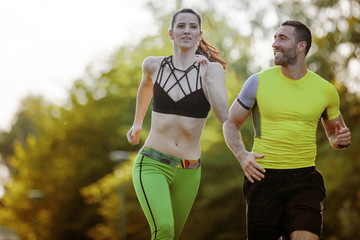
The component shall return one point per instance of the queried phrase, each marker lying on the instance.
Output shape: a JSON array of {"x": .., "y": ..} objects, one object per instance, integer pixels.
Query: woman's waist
[
  {"x": 169, "y": 159},
  {"x": 175, "y": 147}
]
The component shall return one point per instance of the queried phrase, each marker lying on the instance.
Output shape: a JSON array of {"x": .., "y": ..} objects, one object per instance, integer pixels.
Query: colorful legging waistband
[{"x": 168, "y": 159}]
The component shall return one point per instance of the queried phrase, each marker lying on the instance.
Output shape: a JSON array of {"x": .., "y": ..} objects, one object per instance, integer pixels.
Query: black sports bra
[{"x": 194, "y": 103}]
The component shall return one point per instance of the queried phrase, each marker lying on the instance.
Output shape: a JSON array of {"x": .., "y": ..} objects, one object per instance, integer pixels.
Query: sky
[{"x": 47, "y": 44}]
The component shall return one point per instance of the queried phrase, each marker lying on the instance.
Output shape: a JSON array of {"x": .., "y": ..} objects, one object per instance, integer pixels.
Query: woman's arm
[
  {"x": 213, "y": 79},
  {"x": 143, "y": 99}
]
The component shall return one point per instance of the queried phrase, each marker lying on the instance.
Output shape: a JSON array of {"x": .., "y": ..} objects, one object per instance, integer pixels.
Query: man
[{"x": 282, "y": 188}]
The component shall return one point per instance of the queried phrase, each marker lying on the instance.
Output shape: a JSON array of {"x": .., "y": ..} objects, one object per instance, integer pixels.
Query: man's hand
[
  {"x": 251, "y": 168},
  {"x": 343, "y": 135}
]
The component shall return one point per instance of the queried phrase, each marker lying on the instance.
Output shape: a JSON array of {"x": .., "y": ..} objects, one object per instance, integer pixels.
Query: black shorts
[{"x": 284, "y": 201}]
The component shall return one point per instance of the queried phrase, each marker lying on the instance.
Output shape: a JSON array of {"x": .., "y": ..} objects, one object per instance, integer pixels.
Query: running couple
[{"x": 282, "y": 188}]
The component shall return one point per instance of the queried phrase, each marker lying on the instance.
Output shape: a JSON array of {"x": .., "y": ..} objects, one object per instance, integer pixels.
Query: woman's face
[{"x": 186, "y": 32}]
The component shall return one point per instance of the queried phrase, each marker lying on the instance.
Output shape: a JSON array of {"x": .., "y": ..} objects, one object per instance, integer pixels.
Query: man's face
[{"x": 285, "y": 46}]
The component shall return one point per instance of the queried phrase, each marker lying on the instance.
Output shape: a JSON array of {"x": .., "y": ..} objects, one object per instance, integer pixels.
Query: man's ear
[{"x": 302, "y": 46}]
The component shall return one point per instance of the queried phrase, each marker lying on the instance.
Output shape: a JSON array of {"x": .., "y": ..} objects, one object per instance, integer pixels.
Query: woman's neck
[{"x": 183, "y": 59}]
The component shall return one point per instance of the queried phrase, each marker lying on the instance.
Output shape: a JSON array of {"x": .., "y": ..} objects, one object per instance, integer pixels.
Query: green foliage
[
  {"x": 109, "y": 193},
  {"x": 64, "y": 150}
]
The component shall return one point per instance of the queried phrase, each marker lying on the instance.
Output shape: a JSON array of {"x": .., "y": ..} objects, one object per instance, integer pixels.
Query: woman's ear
[{"x": 171, "y": 34}]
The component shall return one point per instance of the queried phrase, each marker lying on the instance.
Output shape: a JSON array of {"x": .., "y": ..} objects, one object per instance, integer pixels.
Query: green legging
[{"x": 166, "y": 195}]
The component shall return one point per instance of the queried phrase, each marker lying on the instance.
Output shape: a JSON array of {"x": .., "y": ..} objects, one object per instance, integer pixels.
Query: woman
[{"x": 166, "y": 172}]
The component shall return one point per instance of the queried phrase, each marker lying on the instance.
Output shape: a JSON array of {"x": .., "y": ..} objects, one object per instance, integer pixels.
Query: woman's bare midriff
[{"x": 175, "y": 135}]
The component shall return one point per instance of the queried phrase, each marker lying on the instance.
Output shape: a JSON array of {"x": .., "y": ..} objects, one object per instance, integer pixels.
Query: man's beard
[{"x": 289, "y": 58}]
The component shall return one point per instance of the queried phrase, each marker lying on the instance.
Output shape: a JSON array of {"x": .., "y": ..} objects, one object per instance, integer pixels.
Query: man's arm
[
  {"x": 338, "y": 134},
  {"x": 233, "y": 139}
]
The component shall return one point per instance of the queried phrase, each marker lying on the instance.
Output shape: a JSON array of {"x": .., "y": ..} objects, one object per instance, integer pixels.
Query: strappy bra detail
[{"x": 192, "y": 104}]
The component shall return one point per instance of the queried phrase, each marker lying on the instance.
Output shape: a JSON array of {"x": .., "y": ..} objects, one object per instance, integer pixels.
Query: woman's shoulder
[
  {"x": 216, "y": 67},
  {"x": 152, "y": 63}
]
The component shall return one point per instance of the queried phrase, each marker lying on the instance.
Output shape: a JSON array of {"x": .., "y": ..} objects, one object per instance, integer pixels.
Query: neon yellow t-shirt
[{"x": 286, "y": 113}]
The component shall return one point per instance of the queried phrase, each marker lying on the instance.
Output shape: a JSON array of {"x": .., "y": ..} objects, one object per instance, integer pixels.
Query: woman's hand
[
  {"x": 133, "y": 135},
  {"x": 205, "y": 71}
]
